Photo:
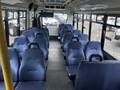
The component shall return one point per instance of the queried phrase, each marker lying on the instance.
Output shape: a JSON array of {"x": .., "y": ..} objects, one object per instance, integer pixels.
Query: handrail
[{"x": 4, "y": 58}]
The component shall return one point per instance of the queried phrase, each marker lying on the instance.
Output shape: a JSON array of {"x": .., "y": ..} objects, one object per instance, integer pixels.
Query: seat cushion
[
  {"x": 2, "y": 85},
  {"x": 33, "y": 85},
  {"x": 14, "y": 63}
]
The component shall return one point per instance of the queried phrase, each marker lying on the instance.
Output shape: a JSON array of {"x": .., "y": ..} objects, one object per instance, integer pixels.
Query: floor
[{"x": 57, "y": 78}]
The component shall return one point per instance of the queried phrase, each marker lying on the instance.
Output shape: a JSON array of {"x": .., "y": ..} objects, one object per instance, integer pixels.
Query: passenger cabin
[{"x": 59, "y": 44}]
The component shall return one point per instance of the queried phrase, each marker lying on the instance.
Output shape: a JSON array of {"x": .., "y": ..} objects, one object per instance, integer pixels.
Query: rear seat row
[
  {"x": 77, "y": 48},
  {"x": 84, "y": 61},
  {"x": 28, "y": 60}
]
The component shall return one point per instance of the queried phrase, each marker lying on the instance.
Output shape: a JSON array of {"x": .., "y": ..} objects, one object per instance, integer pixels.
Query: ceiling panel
[{"x": 12, "y": 2}]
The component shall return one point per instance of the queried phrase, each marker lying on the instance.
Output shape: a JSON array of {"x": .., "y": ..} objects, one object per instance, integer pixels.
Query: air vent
[
  {"x": 46, "y": 6},
  {"x": 58, "y": 7},
  {"x": 51, "y": 6},
  {"x": 54, "y": 7}
]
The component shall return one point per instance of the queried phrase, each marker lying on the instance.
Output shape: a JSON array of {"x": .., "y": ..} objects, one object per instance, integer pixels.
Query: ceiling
[{"x": 68, "y": 5}]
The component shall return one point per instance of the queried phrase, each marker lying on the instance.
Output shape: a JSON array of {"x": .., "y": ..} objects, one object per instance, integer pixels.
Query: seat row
[
  {"x": 85, "y": 62},
  {"x": 28, "y": 60},
  {"x": 77, "y": 48}
]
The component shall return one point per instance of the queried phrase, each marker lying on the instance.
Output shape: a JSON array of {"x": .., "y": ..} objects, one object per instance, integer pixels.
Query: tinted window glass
[
  {"x": 118, "y": 22},
  {"x": 111, "y": 20},
  {"x": 112, "y": 42},
  {"x": 100, "y": 18},
  {"x": 93, "y": 17}
]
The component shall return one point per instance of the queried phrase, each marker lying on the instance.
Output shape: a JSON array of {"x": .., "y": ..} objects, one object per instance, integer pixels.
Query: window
[
  {"x": 111, "y": 20},
  {"x": 12, "y": 26},
  {"x": 118, "y": 21},
  {"x": 86, "y": 27},
  {"x": 80, "y": 22},
  {"x": 93, "y": 17},
  {"x": 10, "y": 15},
  {"x": 22, "y": 24},
  {"x": 50, "y": 21},
  {"x": 88, "y": 17},
  {"x": 100, "y": 18},
  {"x": 15, "y": 15},
  {"x": 80, "y": 17},
  {"x": 112, "y": 42},
  {"x": 75, "y": 21},
  {"x": 12, "y": 30},
  {"x": 96, "y": 32},
  {"x": 53, "y": 22},
  {"x": 85, "y": 16},
  {"x": 21, "y": 14},
  {"x": 22, "y": 21},
  {"x": 24, "y": 14}
]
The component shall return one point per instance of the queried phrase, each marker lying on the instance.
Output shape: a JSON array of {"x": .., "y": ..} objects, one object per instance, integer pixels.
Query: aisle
[{"x": 57, "y": 78}]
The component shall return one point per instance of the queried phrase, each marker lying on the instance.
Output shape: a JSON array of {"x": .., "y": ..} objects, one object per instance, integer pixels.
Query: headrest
[
  {"x": 75, "y": 39},
  {"x": 94, "y": 51},
  {"x": 21, "y": 40},
  {"x": 33, "y": 45},
  {"x": 39, "y": 34},
  {"x": 76, "y": 32}
]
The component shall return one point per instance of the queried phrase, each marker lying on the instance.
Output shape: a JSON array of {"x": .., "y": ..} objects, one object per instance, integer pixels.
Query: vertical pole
[
  {"x": 4, "y": 58},
  {"x": 82, "y": 23},
  {"x": 42, "y": 22},
  {"x": 26, "y": 18},
  {"x": 104, "y": 31},
  {"x": 7, "y": 26},
  {"x": 18, "y": 22},
  {"x": 73, "y": 20},
  {"x": 38, "y": 21},
  {"x": 115, "y": 21},
  {"x": 77, "y": 22},
  {"x": 90, "y": 26}
]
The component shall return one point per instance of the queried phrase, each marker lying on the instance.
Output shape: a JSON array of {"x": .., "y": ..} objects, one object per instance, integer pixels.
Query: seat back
[
  {"x": 32, "y": 66},
  {"x": 84, "y": 40},
  {"x": 20, "y": 44},
  {"x": 93, "y": 51},
  {"x": 98, "y": 76},
  {"x": 74, "y": 53},
  {"x": 76, "y": 32},
  {"x": 46, "y": 31},
  {"x": 14, "y": 63},
  {"x": 67, "y": 27},
  {"x": 43, "y": 45},
  {"x": 61, "y": 26},
  {"x": 67, "y": 40},
  {"x": 67, "y": 37},
  {"x": 30, "y": 34}
]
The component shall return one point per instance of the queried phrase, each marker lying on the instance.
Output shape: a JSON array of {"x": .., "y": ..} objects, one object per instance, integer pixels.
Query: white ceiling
[
  {"x": 71, "y": 5},
  {"x": 12, "y": 2}
]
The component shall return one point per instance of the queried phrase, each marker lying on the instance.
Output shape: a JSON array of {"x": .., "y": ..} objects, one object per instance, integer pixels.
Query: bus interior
[{"x": 60, "y": 45}]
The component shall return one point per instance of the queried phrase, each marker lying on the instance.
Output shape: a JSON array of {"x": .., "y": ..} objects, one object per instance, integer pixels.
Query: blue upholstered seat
[
  {"x": 32, "y": 66},
  {"x": 14, "y": 63},
  {"x": 31, "y": 85},
  {"x": 103, "y": 75},
  {"x": 20, "y": 44},
  {"x": 93, "y": 51}
]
